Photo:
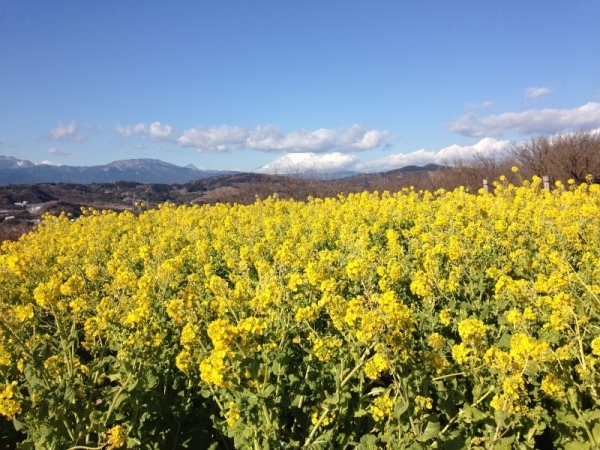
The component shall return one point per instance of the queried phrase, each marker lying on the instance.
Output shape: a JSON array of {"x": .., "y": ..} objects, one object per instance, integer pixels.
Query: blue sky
[{"x": 289, "y": 84}]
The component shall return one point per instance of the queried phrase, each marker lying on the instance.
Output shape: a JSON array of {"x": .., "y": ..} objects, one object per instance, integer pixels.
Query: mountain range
[
  {"x": 18, "y": 171},
  {"x": 147, "y": 171}
]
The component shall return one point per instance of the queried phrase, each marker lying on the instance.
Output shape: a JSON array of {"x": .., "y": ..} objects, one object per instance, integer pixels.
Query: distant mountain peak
[
  {"x": 142, "y": 170},
  {"x": 9, "y": 162}
]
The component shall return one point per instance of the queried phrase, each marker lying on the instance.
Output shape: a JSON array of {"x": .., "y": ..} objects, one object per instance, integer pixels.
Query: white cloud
[
  {"x": 126, "y": 131},
  {"x": 302, "y": 162},
  {"x": 328, "y": 162},
  {"x": 55, "y": 151},
  {"x": 534, "y": 121},
  {"x": 357, "y": 138},
  {"x": 47, "y": 162},
  {"x": 270, "y": 138},
  {"x": 537, "y": 93},
  {"x": 155, "y": 130},
  {"x": 66, "y": 132},
  {"x": 215, "y": 139},
  {"x": 447, "y": 155}
]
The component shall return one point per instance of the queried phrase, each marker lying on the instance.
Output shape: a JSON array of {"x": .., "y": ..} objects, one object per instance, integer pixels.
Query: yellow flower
[
  {"x": 375, "y": 366},
  {"x": 460, "y": 353},
  {"x": 23, "y": 312},
  {"x": 382, "y": 408},
  {"x": 8, "y": 406},
  {"x": 553, "y": 386},
  {"x": 232, "y": 415},
  {"x": 436, "y": 341},
  {"x": 117, "y": 437},
  {"x": 472, "y": 331},
  {"x": 445, "y": 317},
  {"x": 422, "y": 403}
]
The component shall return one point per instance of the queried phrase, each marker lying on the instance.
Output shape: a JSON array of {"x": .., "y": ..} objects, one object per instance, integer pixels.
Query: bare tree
[{"x": 561, "y": 157}]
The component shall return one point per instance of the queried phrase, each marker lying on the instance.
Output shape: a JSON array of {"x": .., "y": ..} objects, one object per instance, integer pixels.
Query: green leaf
[
  {"x": 590, "y": 416},
  {"x": 570, "y": 420},
  {"x": 376, "y": 391},
  {"x": 577, "y": 446},
  {"x": 431, "y": 431},
  {"x": 596, "y": 432},
  {"x": 361, "y": 412},
  {"x": 268, "y": 390},
  {"x": 333, "y": 400},
  {"x": 400, "y": 409},
  {"x": 277, "y": 369},
  {"x": 472, "y": 414},
  {"x": 151, "y": 381},
  {"x": 297, "y": 400},
  {"x": 367, "y": 442}
]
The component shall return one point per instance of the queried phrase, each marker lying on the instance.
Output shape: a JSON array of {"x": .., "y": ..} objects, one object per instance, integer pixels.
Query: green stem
[
  {"x": 461, "y": 411},
  {"x": 114, "y": 402}
]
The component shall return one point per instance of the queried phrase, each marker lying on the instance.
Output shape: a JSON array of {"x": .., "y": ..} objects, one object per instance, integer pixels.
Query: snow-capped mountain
[{"x": 16, "y": 171}]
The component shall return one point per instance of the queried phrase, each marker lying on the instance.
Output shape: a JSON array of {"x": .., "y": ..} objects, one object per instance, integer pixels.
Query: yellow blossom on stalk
[
  {"x": 232, "y": 415},
  {"x": 529, "y": 314},
  {"x": 472, "y": 331},
  {"x": 498, "y": 359},
  {"x": 445, "y": 317},
  {"x": 214, "y": 368},
  {"x": 327, "y": 420},
  {"x": 514, "y": 317},
  {"x": 354, "y": 311},
  {"x": 117, "y": 436},
  {"x": 324, "y": 349},
  {"x": 183, "y": 361},
  {"x": 436, "y": 341},
  {"x": 374, "y": 366},
  {"x": 8, "y": 406},
  {"x": 553, "y": 386},
  {"x": 189, "y": 334},
  {"x": 294, "y": 282},
  {"x": 523, "y": 348},
  {"x": 382, "y": 408},
  {"x": 176, "y": 310},
  {"x": 309, "y": 312},
  {"x": 435, "y": 361},
  {"x": 423, "y": 403},
  {"x": 5, "y": 357},
  {"x": 23, "y": 312},
  {"x": 460, "y": 353}
]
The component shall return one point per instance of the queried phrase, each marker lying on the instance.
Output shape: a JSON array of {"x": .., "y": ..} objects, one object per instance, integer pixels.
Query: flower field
[{"x": 411, "y": 320}]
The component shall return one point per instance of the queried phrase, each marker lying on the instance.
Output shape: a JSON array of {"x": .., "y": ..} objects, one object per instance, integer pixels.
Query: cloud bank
[
  {"x": 534, "y": 121},
  {"x": 271, "y": 139},
  {"x": 155, "y": 130},
  {"x": 267, "y": 138},
  {"x": 331, "y": 162}
]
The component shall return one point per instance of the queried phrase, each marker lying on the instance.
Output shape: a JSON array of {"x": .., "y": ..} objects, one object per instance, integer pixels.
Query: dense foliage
[{"x": 406, "y": 320}]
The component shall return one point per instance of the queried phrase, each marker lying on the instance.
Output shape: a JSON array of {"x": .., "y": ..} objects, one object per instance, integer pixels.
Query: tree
[{"x": 561, "y": 157}]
